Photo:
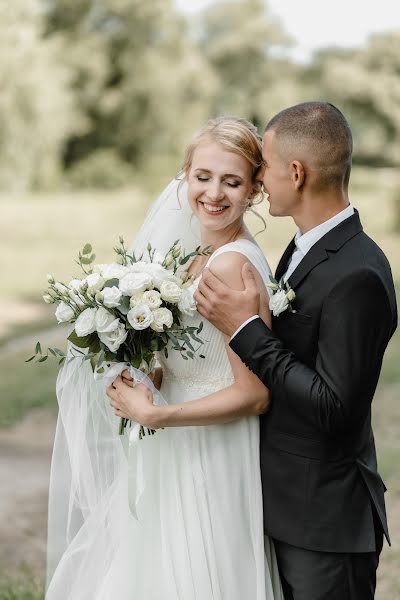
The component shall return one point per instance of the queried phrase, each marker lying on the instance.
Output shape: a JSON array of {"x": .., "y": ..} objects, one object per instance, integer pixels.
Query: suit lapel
[
  {"x": 331, "y": 242},
  {"x": 282, "y": 265}
]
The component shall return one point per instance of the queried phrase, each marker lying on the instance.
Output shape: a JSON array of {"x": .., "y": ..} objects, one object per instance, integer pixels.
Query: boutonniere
[{"x": 282, "y": 297}]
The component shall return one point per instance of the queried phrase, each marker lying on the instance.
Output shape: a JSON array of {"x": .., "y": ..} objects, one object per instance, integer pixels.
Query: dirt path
[{"x": 25, "y": 452}]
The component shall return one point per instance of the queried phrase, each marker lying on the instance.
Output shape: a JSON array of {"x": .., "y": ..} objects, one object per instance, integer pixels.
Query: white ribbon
[{"x": 136, "y": 479}]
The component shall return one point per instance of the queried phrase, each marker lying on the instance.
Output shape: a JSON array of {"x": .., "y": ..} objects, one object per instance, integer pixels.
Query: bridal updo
[{"x": 236, "y": 135}]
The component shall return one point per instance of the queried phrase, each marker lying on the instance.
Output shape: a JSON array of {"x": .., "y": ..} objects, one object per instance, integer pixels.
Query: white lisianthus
[
  {"x": 76, "y": 297},
  {"x": 152, "y": 298},
  {"x": 170, "y": 292},
  {"x": 136, "y": 299},
  {"x": 64, "y": 313},
  {"x": 133, "y": 283},
  {"x": 290, "y": 295},
  {"x": 278, "y": 303},
  {"x": 156, "y": 272},
  {"x": 95, "y": 282},
  {"x": 48, "y": 299},
  {"x": 111, "y": 296},
  {"x": 75, "y": 284},
  {"x": 112, "y": 271},
  {"x": 140, "y": 317},
  {"x": 105, "y": 321},
  {"x": 60, "y": 287},
  {"x": 141, "y": 266},
  {"x": 162, "y": 316},
  {"x": 187, "y": 304},
  {"x": 86, "y": 322},
  {"x": 113, "y": 339}
]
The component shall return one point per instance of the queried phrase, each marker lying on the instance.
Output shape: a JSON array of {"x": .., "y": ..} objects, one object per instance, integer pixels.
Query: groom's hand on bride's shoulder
[{"x": 227, "y": 309}]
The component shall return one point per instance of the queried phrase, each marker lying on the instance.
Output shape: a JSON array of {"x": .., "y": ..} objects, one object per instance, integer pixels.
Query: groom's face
[{"x": 276, "y": 180}]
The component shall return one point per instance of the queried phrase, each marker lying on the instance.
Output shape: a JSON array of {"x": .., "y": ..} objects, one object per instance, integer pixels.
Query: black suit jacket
[{"x": 322, "y": 364}]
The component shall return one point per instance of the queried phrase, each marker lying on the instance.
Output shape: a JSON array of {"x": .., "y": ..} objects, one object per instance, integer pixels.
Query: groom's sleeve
[{"x": 356, "y": 325}]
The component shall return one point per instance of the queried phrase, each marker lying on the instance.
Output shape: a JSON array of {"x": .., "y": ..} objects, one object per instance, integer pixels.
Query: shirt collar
[{"x": 306, "y": 240}]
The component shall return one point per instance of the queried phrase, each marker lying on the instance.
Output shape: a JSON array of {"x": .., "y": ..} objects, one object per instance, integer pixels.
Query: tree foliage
[
  {"x": 37, "y": 108},
  {"x": 107, "y": 89}
]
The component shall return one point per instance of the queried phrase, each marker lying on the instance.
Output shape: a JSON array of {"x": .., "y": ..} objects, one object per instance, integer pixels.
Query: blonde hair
[
  {"x": 233, "y": 133},
  {"x": 236, "y": 135}
]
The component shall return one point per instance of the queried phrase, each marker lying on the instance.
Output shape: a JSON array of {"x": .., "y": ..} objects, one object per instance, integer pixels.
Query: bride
[{"x": 198, "y": 534}]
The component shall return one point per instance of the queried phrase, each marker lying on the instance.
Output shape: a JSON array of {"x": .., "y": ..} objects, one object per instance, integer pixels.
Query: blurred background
[{"x": 98, "y": 99}]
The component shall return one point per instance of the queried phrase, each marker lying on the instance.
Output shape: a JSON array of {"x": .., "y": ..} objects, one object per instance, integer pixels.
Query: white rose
[
  {"x": 95, "y": 282},
  {"x": 162, "y": 316},
  {"x": 133, "y": 283},
  {"x": 86, "y": 322},
  {"x": 105, "y": 321},
  {"x": 170, "y": 292},
  {"x": 111, "y": 296},
  {"x": 156, "y": 272},
  {"x": 64, "y": 313},
  {"x": 113, "y": 271},
  {"x": 278, "y": 303},
  {"x": 152, "y": 298},
  {"x": 136, "y": 299},
  {"x": 140, "y": 317},
  {"x": 113, "y": 339},
  {"x": 187, "y": 304}
]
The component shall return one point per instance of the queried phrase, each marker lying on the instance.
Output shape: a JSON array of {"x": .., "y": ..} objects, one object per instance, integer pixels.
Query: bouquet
[{"x": 126, "y": 311}]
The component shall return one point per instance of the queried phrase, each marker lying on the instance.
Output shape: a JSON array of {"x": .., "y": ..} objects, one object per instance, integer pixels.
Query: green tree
[
  {"x": 37, "y": 111},
  {"x": 365, "y": 84},
  {"x": 246, "y": 46},
  {"x": 143, "y": 85}
]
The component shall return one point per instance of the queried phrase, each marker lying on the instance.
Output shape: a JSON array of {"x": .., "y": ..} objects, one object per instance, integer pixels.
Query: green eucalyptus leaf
[
  {"x": 136, "y": 360},
  {"x": 87, "y": 248},
  {"x": 111, "y": 282},
  {"x": 38, "y": 348},
  {"x": 31, "y": 358},
  {"x": 82, "y": 342},
  {"x": 45, "y": 357}
]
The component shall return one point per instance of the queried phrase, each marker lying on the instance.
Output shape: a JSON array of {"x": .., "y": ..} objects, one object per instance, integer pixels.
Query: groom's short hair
[{"x": 320, "y": 132}]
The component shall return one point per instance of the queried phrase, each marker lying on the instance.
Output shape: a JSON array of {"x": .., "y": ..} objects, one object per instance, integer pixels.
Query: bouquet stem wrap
[{"x": 134, "y": 432}]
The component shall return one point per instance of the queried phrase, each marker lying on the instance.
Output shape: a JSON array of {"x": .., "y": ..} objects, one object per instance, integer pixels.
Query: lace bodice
[{"x": 214, "y": 371}]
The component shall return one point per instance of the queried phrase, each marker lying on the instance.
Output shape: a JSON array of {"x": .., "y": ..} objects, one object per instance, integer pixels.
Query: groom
[{"x": 323, "y": 497}]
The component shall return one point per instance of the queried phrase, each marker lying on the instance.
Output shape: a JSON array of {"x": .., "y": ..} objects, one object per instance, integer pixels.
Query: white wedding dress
[{"x": 199, "y": 533}]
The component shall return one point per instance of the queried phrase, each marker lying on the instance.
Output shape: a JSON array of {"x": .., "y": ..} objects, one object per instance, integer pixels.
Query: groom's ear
[{"x": 297, "y": 174}]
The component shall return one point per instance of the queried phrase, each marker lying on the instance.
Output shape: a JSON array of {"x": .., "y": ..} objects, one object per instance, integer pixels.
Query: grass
[{"x": 25, "y": 587}]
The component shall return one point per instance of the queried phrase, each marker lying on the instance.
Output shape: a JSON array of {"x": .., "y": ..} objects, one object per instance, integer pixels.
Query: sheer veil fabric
[{"x": 199, "y": 532}]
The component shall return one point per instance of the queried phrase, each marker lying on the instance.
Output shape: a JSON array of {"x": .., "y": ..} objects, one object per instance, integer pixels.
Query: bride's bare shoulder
[{"x": 227, "y": 266}]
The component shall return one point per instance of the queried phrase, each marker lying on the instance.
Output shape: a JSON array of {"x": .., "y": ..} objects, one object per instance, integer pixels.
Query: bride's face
[{"x": 219, "y": 185}]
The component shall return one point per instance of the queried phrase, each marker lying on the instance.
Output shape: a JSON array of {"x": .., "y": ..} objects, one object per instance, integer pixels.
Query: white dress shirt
[{"x": 304, "y": 242}]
